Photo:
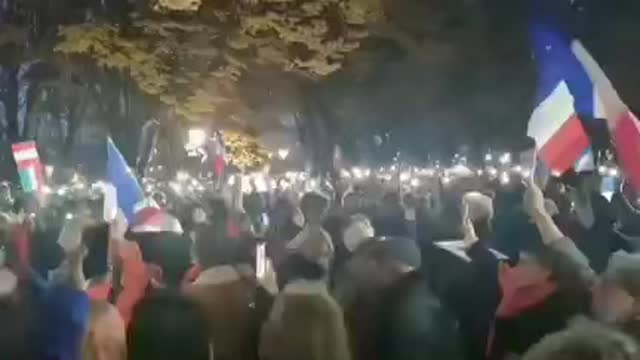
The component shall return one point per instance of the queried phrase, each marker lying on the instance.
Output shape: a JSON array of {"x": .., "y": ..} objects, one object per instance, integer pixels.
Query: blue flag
[{"x": 129, "y": 192}]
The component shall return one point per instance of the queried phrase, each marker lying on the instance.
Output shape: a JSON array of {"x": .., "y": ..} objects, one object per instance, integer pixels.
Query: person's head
[
  {"x": 169, "y": 251},
  {"x": 214, "y": 247},
  {"x": 480, "y": 212},
  {"x": 167, "y": 325},
  {"x": 297, "y": 267},
  {"x": 314, "y": 207},
  {"x": 586, "y": 341},
  {"x": 105, "y": 338},
  {"x": 617, "y": 294},
  {"x": 379, "y": 263}
]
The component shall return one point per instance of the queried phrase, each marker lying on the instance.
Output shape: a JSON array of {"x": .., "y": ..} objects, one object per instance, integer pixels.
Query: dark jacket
[
  {"x": 517, "y": 332},
  {"x": 405, "y": 321},
  {"x": 415, "y": 325}
]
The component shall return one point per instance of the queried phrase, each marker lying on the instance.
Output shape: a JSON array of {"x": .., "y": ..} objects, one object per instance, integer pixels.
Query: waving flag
[
  {"x": 567, "y": 99},
  {"x": 128, "y": 191},
  {"x": 622, "y": 123},
  {"x": 30, "y": 168}
]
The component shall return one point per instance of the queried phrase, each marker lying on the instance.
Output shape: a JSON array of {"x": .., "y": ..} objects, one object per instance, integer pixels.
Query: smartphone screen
[
  {"x": 261, "y": 260},
  {"x": 96, "y": 239}
]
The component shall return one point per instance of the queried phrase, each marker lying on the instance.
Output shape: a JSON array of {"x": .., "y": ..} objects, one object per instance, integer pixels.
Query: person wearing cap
[
  {"x": 305, "y": 321},
  {"x": 394, "y": 314}
]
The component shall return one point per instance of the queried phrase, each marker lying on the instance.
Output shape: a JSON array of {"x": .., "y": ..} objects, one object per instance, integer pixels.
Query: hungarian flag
[
  {"x": 29, "y": 166},
  {"x": 622, "y": 123}
]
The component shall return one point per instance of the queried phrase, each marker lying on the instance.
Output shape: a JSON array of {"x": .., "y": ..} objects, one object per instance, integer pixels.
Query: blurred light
[
  {"x": 488, "y": 157},
  {"x": 461, "y": 170},
  {"x": 505, "y": 158},
  {"x": 313, "y": 183},
  {"x": 245, "y": 184},
  {"x": 283, "y": 153},
  {"x": 480, "y": 172},
  {"x": 504, "y": 178},
  {"x": 430, "y": 172},
  {"x": 446, "y": 180},
  {"x": 345, "y": 174},
  {"x": 46, "y": 190},
  {"x": 517, "y": 169},
  {"x": 613, "y": 172},
  {"x": 357, "y": 173},
  {"x": 182, "y": 176},
  {"x": 602, "y": 170},
  {"x": 273, "y": 184},
  {"x": 231, "y": 181},
  {"x": 405, "y": 176},
  {"x": 415, "y": 182},
  {"x": 48, "y": 170},
  {"x": 493, "y": 171},
  {"x": 68, "y": 216},
  {"x": 196, "y": 138},
  {"x": 176, "y": 187},
  {"x": 367, "y": 172},
  {"x": 261, "y": 184},
  {"x": 526, "y": 173},
  {"x": 62, "y": 191}
]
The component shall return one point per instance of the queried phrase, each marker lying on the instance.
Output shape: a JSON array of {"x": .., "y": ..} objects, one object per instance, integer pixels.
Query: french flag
[
  {"x": 623, "y": 125},
  {"x": 565, "y": 92}
]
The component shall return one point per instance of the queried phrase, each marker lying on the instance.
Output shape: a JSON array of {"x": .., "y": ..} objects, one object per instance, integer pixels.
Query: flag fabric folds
[
  {"x": 622, "y": 123},
  {"x": 128, "y": 191},
  {"x": 564, "y": 90}
]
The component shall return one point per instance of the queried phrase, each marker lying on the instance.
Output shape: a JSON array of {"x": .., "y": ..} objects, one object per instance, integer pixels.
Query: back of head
[
  {"x": 588, "y": 341},
  {"x": 213, "y": 247},
  {"x": 298, "y": 268},
  {"x": 314, "y": 206},
  {"x": 170, "y": 251},
  {"x": 167, "y": 326}
]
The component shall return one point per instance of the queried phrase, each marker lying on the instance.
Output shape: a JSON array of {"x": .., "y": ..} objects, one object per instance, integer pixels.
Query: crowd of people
[{"x": 453, "y": 272}]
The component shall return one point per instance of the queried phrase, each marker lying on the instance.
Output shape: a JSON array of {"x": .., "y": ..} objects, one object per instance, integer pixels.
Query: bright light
[
  {"x": 62, "y": 191},
  {"x": 517, "y": 169},
  {"x": 345, "y": 174},
  {"x": 493, "y": 171},
  {"x": 48, "y": 170},
  {"x": 602, "y": 170},
  {"x": 446, "y": 180},
  {"x": 430, "y": 172},
  {"x": 461, "y": 170},
  {"x": 504, "y": 178},
  {"x": 231, "y": 181},
  {"x": 68, "y": 216},
  {"x": 176, "y": 187},
  {"x": 357, "y": 173},
  {"x": 46, "y": 190},
  {"x": 182, "y": 176},
  {"x": 480, "y": 172},
  {"x": 488, "y": 157},
  {"x": 526, "y": 173},
  {"x": 505, "y": 158},
  {"x": 613, "y": 172},
  {"x": 261, "y": 184},
  {"x": 283, "y": 153},
  {"x": 415, "y": 182},
  {"x": 196, "y": 138},
  {"x": 405, "y": 176},
  {"x": 367, "y": 172}
]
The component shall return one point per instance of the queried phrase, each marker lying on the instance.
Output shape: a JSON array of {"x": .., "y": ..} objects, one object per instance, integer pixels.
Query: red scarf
[{"x": 523, "y": 287}]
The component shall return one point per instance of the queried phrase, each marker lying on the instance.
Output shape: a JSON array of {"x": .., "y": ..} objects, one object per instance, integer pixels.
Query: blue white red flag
[{"x": 128, "y": 191}]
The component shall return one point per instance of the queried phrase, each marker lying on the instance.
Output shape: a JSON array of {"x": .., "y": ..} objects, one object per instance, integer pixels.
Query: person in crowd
[
  {"x": 105, "y": 338},
  {"x": 585, "y": 340},
  {"x": 627, "y": 227},
  {"x": 358, "y": 232},
  {"x": 539, "y": 294},
  {"x": 313, "y": 241},
  {"x": 591, "y": 223},
  {"x": 226, "y": 290},
  {"x": 305, "y": 321},
  {"x": 15, "y": 316},
  {"x": 394, "y": 314},
  {"x": 167, "y": 325},
  {"x": 390, "y": 217}
]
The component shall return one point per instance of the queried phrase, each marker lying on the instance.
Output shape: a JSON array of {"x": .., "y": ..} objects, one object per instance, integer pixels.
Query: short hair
[
  {"x": 298, "y": 267},
  {"x": 585, "y": 341},
  {"x": 167, "y": 325},
  {"x": 313, "y": 202}
]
